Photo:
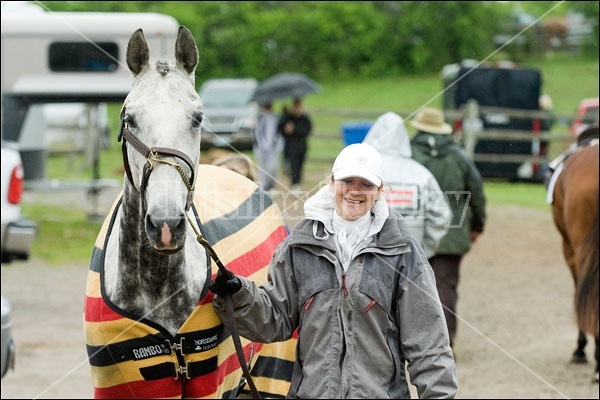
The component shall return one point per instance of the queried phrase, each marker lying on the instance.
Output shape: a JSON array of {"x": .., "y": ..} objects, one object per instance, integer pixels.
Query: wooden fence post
[{"x": 472, "y": 125}]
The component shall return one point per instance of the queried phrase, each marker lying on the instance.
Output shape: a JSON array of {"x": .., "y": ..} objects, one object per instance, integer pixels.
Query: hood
[{"x": 389, "y": 136}]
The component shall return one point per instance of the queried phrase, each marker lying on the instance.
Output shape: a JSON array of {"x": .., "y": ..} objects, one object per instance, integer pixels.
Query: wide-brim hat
[
  {"x": 359, "y": 160},
  {"x": 431, "y": 120}
]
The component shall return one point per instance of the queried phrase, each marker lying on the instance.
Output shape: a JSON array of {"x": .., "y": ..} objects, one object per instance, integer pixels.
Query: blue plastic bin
[{"x": 355, "y": 132}]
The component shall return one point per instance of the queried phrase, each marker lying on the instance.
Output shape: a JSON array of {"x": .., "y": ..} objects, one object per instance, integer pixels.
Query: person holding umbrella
[{"x": 295, "y": 126}]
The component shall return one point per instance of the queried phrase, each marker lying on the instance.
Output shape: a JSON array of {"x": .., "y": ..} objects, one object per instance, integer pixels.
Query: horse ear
[
  {"x": 186, "y": 51},
  {"x": 137, "y": 52}
]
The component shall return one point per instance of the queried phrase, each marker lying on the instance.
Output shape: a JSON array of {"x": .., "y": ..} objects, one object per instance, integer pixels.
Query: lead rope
[{"x": 229, "y": 310}]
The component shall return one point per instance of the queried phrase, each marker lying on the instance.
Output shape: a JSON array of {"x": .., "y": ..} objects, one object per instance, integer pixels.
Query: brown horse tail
[{"x": 586, "y": 293}]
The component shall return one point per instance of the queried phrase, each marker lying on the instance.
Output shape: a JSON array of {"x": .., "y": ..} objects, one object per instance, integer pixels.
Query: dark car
[{"x": 229, "y": 113}]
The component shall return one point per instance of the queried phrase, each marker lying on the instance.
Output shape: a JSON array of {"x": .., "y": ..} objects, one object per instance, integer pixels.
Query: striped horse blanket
[{"x": 132, "y": 357}]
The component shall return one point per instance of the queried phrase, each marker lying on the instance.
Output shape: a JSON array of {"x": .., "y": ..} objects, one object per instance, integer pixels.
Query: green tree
[{"x": 347, "y": 39}]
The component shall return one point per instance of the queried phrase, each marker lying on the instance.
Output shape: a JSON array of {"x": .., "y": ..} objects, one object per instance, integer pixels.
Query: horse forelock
[
  {"x": 162, "y": 67},
  {"x": 163, "y": 99},
  {"x": 165, "y": 66}
]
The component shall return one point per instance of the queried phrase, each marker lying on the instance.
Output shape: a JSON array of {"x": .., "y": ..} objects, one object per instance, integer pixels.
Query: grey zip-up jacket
[{"x": 357, "y": 330}]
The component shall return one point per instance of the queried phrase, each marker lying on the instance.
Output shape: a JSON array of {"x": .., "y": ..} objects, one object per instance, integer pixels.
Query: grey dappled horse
[{"x": 149, "y": 325}]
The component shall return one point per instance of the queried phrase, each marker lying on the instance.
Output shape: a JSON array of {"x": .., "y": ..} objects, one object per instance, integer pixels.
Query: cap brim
[
  {"x": 443, "y": 129},
  {"x": 359, "y": 173}
]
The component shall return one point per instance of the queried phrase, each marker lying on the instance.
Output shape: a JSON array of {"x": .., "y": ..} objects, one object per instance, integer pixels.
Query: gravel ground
[{"x": 515, "y": 338}]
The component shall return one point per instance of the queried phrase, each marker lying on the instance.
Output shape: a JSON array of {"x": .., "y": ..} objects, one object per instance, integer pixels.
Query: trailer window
[{"x": 83, "y": 57}]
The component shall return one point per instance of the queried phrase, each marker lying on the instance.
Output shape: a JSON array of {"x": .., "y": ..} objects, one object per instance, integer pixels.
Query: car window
[
  {"x": 226, "y": 96},
  {"x": 590, "y": 116}
]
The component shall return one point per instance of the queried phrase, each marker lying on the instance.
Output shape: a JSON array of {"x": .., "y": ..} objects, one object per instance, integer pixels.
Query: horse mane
[{"x": 587, "y": 136}]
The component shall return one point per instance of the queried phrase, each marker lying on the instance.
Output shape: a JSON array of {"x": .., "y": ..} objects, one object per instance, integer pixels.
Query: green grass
[
  {"x": 532, "y": 195},
  {"x": 66, "y": 235}
]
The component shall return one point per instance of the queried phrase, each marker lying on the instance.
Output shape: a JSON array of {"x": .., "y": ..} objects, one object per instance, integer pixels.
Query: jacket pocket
[
  {"x": 378, "y": 282},
  {"x": 310, "y": 287}
]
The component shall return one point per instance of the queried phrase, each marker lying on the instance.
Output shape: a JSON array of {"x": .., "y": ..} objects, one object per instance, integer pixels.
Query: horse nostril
[
  {"x": 166, "y": 231},
  {"x": 179, "y": 224}
]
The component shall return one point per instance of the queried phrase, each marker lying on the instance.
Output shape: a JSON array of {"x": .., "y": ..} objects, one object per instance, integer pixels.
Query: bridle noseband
[{"x": 152, "y": 157}]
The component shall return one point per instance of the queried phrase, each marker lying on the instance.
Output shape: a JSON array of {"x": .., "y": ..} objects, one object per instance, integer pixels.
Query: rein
[
  {"x": 152, "y": 157},
  {"x": 229, "y": 309}
]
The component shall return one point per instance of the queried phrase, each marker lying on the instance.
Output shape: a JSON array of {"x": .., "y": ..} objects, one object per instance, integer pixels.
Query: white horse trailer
[{"x": 67, "y": 57}]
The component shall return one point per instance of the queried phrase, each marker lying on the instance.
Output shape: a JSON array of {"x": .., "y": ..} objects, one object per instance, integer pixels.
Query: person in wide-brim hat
[
  {"x": 461, "y": 182},
  {"x": 431, "y": 120}
]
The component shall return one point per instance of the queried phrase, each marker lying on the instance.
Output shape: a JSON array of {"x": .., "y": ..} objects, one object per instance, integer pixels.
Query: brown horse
[{"x": 575, "y": 212}]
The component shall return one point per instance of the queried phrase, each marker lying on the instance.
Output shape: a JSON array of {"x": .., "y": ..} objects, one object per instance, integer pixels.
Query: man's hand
[
  {"x": 474, "y": 235},
  {"x": 225, "y": 284},
  {"x": 289, "y": 127}
]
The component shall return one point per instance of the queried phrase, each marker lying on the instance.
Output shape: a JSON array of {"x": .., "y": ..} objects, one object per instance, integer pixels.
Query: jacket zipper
[
  {"x": 308, "y": 303},
  {"x": 344, "y": 289},
  {"x": 371, "y": 304}
]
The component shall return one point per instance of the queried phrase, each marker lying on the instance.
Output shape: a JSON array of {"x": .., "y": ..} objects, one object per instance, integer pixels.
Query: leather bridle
[{"x": 152, "y": 157}]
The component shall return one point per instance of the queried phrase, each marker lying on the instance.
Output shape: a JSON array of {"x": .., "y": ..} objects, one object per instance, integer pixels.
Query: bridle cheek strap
[{"x": 151, "y": 155}]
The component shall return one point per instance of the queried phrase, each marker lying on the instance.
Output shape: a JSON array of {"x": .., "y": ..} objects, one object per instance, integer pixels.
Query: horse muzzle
[{"x": 166, "y": 235}]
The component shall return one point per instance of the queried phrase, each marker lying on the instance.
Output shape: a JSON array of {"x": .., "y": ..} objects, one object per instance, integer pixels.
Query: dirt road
[{"x": 515, "y": 338}]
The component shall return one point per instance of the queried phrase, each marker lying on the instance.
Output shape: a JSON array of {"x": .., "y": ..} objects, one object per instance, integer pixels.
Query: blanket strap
[{"x": 229, "y": 309}]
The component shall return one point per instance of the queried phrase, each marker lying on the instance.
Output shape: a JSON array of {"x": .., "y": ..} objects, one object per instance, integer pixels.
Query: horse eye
[
  {"x": 129, "y": 121},
  {"x": 196, "y": 120}
]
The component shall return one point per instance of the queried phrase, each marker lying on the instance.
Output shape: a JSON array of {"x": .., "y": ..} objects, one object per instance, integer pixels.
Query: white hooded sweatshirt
[{"x": 410, "y": 188}]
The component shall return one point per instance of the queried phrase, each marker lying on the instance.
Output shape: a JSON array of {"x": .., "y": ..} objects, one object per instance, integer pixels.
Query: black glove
[{"x": 225, "y": 284}]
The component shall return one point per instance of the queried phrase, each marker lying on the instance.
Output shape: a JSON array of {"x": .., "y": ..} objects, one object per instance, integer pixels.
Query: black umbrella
[{"x": 284, "y": 85}]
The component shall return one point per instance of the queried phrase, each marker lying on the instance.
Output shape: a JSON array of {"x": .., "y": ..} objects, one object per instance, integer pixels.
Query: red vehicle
[{"x": 587, "y": 114}]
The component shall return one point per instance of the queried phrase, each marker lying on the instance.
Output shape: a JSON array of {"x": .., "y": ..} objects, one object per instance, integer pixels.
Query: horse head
[{"x": 160, "y": 130}]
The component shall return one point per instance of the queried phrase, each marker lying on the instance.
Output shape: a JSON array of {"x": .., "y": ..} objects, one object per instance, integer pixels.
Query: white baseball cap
[{"x": 361, "y": 160}]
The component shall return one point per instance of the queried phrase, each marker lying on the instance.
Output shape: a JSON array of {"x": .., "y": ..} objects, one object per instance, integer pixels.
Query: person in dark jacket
[
  {"x": 295, "y": 126},
  {"x": 459, "y": 179}
]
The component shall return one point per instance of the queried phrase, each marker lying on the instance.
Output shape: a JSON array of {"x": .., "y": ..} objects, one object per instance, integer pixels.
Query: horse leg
[
  {"x": 596, "y": 373},
  {"x": 579, "y": 354}
]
